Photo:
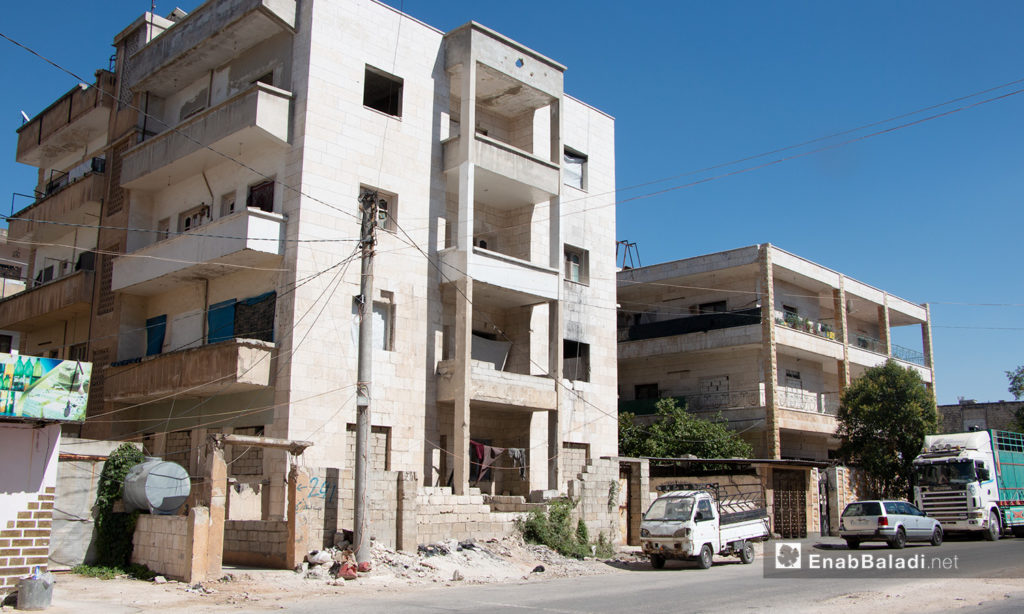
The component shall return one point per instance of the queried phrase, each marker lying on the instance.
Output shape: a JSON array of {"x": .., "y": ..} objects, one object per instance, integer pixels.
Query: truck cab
[
  {"x": 955, "y": 483},
  {"x": 697, "y": 523}
]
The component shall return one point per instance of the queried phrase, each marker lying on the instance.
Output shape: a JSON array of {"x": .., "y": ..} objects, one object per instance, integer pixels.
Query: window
[
  {"x": 577, "y": 267},
  {"x": 387, "y": 206},
  {"x": 383, "y": 322},
  {"x": 78, "y": 352},
  {"x": 714, "y": 307},
  {"x": 382, "y": 92},
  {"x": 576, "y": 360},
  {"x": 705, "y": 510},
  {"x": 575, "y": 169},
  {"x": 193, "y": 218},
  {"x": 645, "y": 391},
  {"x": 163, "y": 229},
  {"x": 250, "y": 318},
  {"x": 5, "y": 343},
  {"x": 227, "y": 203},
  {"x": 261, "y": 196}
]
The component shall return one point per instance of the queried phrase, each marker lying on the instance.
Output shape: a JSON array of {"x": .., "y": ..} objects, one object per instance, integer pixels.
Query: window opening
[
  {"x": 576, "y": 360},
  {"x": 261, "y": 196},
  {"x": 575, "y": 169},
  {"x": 382, "y": 91}
]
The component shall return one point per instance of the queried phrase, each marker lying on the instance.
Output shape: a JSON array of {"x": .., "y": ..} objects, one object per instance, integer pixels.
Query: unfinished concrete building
[{"x": 194, "y": 236}]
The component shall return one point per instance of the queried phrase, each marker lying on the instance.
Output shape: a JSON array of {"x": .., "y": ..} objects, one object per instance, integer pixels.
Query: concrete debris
[
  {"x": 199, "y": 589},
  {"x": 319, "y": 557},
  {"x": 159, "y": 580},
  {"x": 468, "y": 561}
]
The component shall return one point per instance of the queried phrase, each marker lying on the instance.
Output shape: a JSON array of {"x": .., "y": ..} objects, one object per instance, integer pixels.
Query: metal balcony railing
[
  {"x": 787, "y": 398},
  {"x": 908, "y": 355}
]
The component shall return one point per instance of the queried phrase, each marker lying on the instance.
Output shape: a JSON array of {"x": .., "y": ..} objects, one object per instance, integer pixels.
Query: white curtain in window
[{"x": 573, "y": 170}]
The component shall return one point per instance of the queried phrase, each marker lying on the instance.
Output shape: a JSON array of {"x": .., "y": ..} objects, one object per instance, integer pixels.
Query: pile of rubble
[{"x": 446, "y": 562}]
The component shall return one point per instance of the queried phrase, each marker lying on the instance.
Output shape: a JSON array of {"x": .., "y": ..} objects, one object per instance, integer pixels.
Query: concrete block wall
[
  {"x": 255, "y": 542},
  {"x": 596, "y": 490},
  {"x": 441, "y": 515},
  {"x": 245, "y": 460},
  {"x": 25, "y": 541},
  {"x": 162, "y": 544}
]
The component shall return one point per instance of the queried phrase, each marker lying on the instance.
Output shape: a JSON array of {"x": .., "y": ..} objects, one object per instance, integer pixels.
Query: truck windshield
[
  {"x": 670, "y": 508},
  {"x": 938, "y": 474}
]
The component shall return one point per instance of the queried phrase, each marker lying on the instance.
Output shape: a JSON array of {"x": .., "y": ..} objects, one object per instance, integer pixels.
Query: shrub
[
  {"x": 114, "y": 530},
  {"x": 553, "y": 528}
]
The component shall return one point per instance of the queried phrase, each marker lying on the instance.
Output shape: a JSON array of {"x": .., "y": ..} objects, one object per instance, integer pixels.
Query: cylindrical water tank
[{"x": 156, "y": 486}]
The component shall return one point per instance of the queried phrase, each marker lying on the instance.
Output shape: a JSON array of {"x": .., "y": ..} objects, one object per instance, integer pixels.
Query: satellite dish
[{"x": 25, "y": 117}]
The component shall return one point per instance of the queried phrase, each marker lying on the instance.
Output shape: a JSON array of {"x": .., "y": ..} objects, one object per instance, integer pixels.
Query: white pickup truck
[{"x": 695, "y": 522}]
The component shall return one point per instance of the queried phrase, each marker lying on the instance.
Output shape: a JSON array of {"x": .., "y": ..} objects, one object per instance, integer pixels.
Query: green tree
[
  {"x": 1016, "y": 378},
  {"x": 676, "y": 432},
  {"x": 883, "y": 418}
]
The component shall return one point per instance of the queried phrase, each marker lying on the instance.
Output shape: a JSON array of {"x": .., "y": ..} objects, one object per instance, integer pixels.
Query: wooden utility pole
[{"x": 367, "y": 238}]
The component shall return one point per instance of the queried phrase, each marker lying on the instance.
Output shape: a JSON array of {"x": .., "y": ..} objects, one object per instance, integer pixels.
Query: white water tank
[{"x": 156, "y": 486}]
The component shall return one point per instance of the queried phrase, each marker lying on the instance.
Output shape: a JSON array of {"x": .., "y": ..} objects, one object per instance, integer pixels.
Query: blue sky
[{"x": 930, "y": 212}]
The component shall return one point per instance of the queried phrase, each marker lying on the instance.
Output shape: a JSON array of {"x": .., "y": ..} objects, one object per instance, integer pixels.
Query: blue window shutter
[
  {"x": 156, "y": 330},
  {"x": 220, "y": 320}
]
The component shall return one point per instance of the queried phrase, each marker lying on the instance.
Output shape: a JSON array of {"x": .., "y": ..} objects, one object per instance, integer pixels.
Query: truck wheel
[
  {"x": 657, "y": 562},
  {"x": 747, "y": 553},
  {"x": 936, "y": 537},
  {"x": 706, "y": 557},
  {"x": 900, "y": 540},
  {"x": 852, "y": 543},
  {"x": 992, "y": 534}
]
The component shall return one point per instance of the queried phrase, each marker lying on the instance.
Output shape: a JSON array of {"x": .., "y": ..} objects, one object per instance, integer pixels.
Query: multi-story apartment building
[
  {"x": 195, "y": 236},
  {"x": 764, "y": 338}
]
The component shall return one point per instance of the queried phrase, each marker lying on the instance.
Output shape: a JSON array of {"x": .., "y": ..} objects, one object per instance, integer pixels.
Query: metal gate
[{"x": 790, "y": 502}]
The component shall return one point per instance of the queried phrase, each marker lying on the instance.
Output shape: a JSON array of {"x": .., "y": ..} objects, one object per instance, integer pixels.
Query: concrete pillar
[
  {"x": 554, "y": 447},
  {"x": 883, "y": 325},
  {"x": 214, "y": 495},
  {"x": 842, "y": 333},
  {"x": 463, "y": 384},
  {"x": 197, "y": 537},
  {"x": 926, "y": 344},
  {"x": 406, "y": 534},
  {"x": 299, "y": 525},
  {"x": 770, "y": 359}
]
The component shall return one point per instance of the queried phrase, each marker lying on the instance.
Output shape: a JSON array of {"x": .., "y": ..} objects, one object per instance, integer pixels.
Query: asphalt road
[{"x": 727, "y": 587}]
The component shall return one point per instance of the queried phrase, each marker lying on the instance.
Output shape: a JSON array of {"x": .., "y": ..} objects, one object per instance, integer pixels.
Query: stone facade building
[
  {"x": 761, "y": 336},
  {"x": 195, "y": 237},
  {"x": 967, "y": 415}
]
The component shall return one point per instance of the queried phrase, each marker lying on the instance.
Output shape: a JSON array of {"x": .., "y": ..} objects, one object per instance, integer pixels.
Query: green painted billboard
[{"x": 43, "y": 388}]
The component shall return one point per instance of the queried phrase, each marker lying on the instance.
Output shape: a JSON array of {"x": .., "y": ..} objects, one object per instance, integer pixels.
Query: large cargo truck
[{"x": 973, "y": 482}]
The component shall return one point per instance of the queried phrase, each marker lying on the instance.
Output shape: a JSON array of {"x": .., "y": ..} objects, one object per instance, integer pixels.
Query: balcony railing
[
  {"x": 787, "y": 398},
  {"x": 908, "y": 355},
  {"x": 691, "y": 324},
  {"x": 805, "y": 400},
  {"x": 807, "y": 325}
]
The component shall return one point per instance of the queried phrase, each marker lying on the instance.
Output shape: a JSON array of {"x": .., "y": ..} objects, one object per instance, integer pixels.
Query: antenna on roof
[{"x": 25, "y": 117}]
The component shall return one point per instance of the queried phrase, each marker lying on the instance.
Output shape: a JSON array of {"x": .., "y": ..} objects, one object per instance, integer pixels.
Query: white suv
[{"x": 893, "y": 522}]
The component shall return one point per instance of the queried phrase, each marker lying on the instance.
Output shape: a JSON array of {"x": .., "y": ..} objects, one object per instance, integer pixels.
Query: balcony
[
  {"x": 499, "y": 389},
  {"x": 253, "y": 120},
  {"x": 77, "y": 202},
  {"x": 249, "y": 238},
  {"x": 512, "y": 281},
  {"x": 797, "y": 399},
  {"x": 238, "y": 365},
  {"x": 56, "y": 301},
  {"x": 692, "y": 324},
  {"x": 68, "y": 126},
  {"x": 207, "y": 38},
  {"x": 506, "y": 176}
]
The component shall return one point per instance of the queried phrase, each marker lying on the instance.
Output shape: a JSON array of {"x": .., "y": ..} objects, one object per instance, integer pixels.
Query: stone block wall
[
  {"x": 440, "y": 515},
  {"x": 162, "y": 544},
  {"x": 259, "y": 543},
  {"x": 25, "y": 541},
  {"x": 596, "y": 490}
]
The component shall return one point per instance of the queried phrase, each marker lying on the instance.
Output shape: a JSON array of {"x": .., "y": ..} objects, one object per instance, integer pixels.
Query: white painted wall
[{"x": 28, "y": 455}]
